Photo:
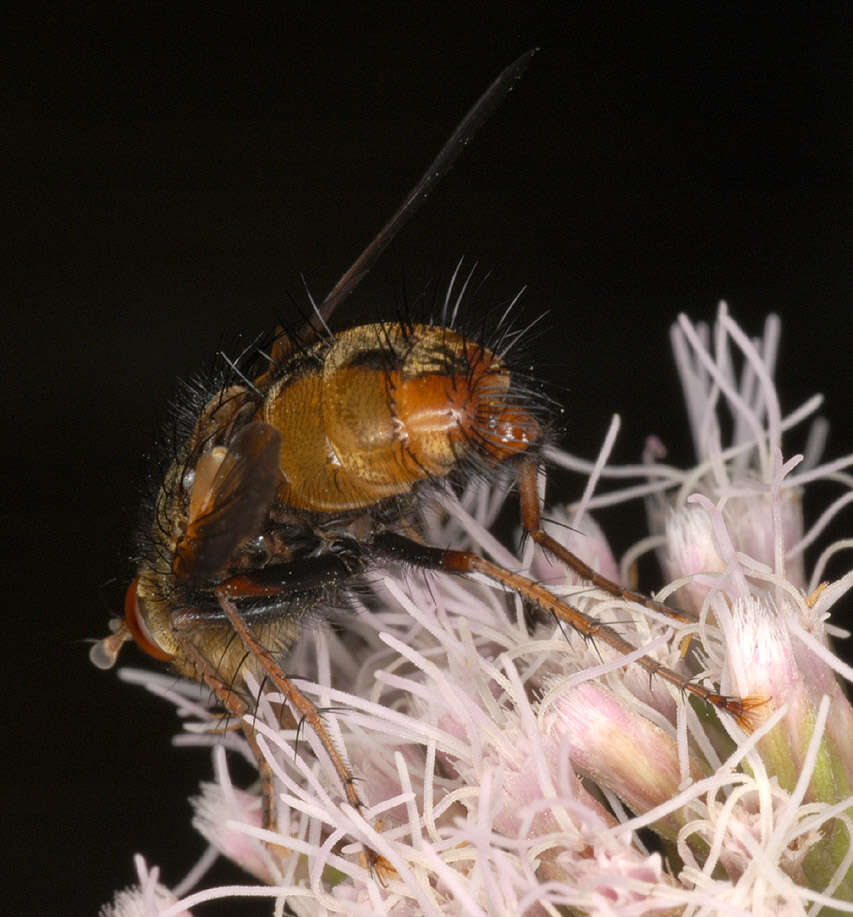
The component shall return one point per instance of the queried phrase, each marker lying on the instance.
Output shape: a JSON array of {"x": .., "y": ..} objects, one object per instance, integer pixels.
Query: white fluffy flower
[{"x": 510, "y": 770}]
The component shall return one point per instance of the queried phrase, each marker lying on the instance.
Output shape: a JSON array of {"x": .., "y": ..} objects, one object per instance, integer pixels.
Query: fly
[{"x": 301, "y": 471}]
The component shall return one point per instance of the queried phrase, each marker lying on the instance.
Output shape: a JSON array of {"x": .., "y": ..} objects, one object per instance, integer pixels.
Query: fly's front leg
[
  {"x": 297, "y": 580},
  {"x": 306, "y": 709},
  {"x": 237, "y": 707}
]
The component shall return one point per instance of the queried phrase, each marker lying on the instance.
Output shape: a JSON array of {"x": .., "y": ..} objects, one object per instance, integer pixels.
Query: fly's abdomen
[{"x": 389, "y": 406}]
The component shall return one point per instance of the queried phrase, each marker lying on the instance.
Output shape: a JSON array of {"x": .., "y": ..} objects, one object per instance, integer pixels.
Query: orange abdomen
[{"x": 386, "y": 407}]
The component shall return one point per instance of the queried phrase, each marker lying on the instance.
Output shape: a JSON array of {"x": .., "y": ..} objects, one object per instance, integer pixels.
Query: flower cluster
[{"x": 509, "y": 767}]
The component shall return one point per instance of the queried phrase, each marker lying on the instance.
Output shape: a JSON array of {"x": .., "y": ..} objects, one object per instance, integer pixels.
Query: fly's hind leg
[
  {"x": 531, "y": 520},
  {"x": 404, "y": 550}
]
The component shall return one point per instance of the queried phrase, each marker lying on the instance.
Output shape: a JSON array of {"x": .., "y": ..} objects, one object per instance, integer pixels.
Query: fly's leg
[
  {"x": 531, "y": 520},
  {"x": 403, "y": 550},
  {"x": 306, "y": 709},
  {"x": 290, "y": 588},
  {"x": 237, "y": 707},
  {"x": 271, "y": 591}
]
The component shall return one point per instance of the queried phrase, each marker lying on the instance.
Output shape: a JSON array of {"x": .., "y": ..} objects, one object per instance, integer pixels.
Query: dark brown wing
[
  {"x": 233, "y": 503},
  {"x": 461, "y": 137}
]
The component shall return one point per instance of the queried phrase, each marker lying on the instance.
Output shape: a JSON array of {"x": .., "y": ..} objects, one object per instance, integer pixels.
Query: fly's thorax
[{"x": 383, "y": 407}]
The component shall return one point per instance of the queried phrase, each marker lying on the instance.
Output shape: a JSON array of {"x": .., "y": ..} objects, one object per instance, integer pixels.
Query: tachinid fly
[{"x": 302, "y": 469}]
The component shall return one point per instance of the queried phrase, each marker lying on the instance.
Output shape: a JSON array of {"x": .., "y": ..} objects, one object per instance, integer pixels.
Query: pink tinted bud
[{"x": 621, "y": 750}]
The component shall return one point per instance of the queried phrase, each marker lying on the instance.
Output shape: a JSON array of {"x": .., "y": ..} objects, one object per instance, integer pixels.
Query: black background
[{"x": 170, "y": 181}]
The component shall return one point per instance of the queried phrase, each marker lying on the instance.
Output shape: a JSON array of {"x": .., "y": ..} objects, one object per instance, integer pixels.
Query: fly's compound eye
[{"x": 135, "y": 619}]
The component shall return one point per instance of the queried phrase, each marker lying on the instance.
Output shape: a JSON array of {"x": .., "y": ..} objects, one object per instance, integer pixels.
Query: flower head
[{"x": 510, "y": 767}]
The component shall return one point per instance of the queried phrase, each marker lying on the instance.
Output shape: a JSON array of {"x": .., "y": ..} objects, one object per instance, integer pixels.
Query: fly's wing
[
  {"x": 231, "y": 496},
  {"x": 461, "y": 137}
]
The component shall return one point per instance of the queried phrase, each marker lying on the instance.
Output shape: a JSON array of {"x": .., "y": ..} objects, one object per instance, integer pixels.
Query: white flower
[{"x": 510, "y": 771}]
